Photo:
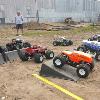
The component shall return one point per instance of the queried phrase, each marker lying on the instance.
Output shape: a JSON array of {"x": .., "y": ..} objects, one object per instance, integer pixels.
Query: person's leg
[
  {"x": 17, "y": 31},
  {"x": 22, "y": 30},
  {"x": 17, "y": 28},
  {"x": 21, "y": 27}
]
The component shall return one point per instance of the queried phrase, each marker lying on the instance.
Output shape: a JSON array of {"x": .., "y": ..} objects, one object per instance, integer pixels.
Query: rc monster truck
[
  {"x": 17, "y": 44},
  {"x": 92, "y": 47},
  {"x": 37, "y": 53},
  {"x": 80, "y": 60},
  {"x": 62, "y": 41},
  {"x": 95, "y": 38}
]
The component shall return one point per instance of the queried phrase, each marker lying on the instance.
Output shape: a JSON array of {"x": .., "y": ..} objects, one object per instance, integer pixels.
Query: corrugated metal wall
[
  {"x": 50, "y": 10},
  {"x": 77, "y": 9}
]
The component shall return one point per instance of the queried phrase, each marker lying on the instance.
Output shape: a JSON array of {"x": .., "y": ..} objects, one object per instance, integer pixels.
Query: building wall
[
  {"x": 77, "y": 9},
  {"x": 50, "y": 10},
  {"x": 8, "y": 9}
]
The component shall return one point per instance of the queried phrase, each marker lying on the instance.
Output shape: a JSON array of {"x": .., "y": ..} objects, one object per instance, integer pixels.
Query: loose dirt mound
[
  {"x": 36, "y": 26},
  {"x": 17, "y": 83},
  {"x": 48, "y": 27}
]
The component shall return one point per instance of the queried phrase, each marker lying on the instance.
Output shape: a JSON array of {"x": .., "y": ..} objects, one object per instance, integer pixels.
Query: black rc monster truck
[
  {"x": 17, "y": 44},
  {"x": 62, "y": 41}
]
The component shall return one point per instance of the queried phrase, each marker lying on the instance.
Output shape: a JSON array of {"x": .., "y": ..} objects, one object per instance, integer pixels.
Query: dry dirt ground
[{"x": 17, "y": 83}]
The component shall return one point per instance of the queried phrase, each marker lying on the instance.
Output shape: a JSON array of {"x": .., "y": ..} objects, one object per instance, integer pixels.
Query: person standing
[{"x": 19, "y": 22}]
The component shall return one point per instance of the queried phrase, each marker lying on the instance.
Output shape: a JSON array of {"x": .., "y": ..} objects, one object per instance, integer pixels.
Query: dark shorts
[{"x": 19, "y": 26}]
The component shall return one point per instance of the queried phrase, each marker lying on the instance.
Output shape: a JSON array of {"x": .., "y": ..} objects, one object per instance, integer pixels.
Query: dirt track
[{"x": 17, "y": 83}]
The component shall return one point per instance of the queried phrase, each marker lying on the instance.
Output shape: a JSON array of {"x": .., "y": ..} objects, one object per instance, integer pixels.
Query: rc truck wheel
[
  {"x": 26, "y": 45},
  {"x": 66, "y": 44},
  {"x": 90, "y": 39},
  {"x": 81, "y": 48},
  {"x": 9, "y": 47},
  {"x": 38, "y": 58},
  {"x": 23, "y": 56},
  {"x": 58, "y": 62},
  {"x": 91, "y": 66},
  {"x": 70, "y": 42},
  {"x": 18, "y": 46},
  {"x": 83, "y": 70},
  {"x": 49, "y": 54},
  {"x": 3, "y": 49},
  {"x": 99, "y": 40},
  {"x": 97, "y": 57},
  {"x": 55, "y": 43}
]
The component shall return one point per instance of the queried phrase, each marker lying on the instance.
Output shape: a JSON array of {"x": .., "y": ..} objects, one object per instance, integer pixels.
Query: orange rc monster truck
[{"x": 82, "y": 61}]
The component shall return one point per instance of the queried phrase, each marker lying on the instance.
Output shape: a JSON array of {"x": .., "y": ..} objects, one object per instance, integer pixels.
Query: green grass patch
[
  {"x": 42, "y": 32},
  {"x": 89, "y": 28}
]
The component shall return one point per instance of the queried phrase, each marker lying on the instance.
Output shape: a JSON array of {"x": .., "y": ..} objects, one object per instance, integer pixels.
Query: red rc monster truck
[
  {"x": 36, "y": 52},
  {"x": 82, "y": 61}
]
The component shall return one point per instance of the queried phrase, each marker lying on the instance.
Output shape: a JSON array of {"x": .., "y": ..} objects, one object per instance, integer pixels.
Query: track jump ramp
[
  {"x": 67, "y": 72},
  {"x": 12, "y": 55}
]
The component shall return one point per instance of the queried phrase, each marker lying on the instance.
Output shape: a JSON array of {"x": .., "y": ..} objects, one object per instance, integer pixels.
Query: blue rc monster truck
[
  {"x": 92, "y": 47},
  {"x": 95, "y": 38}
]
